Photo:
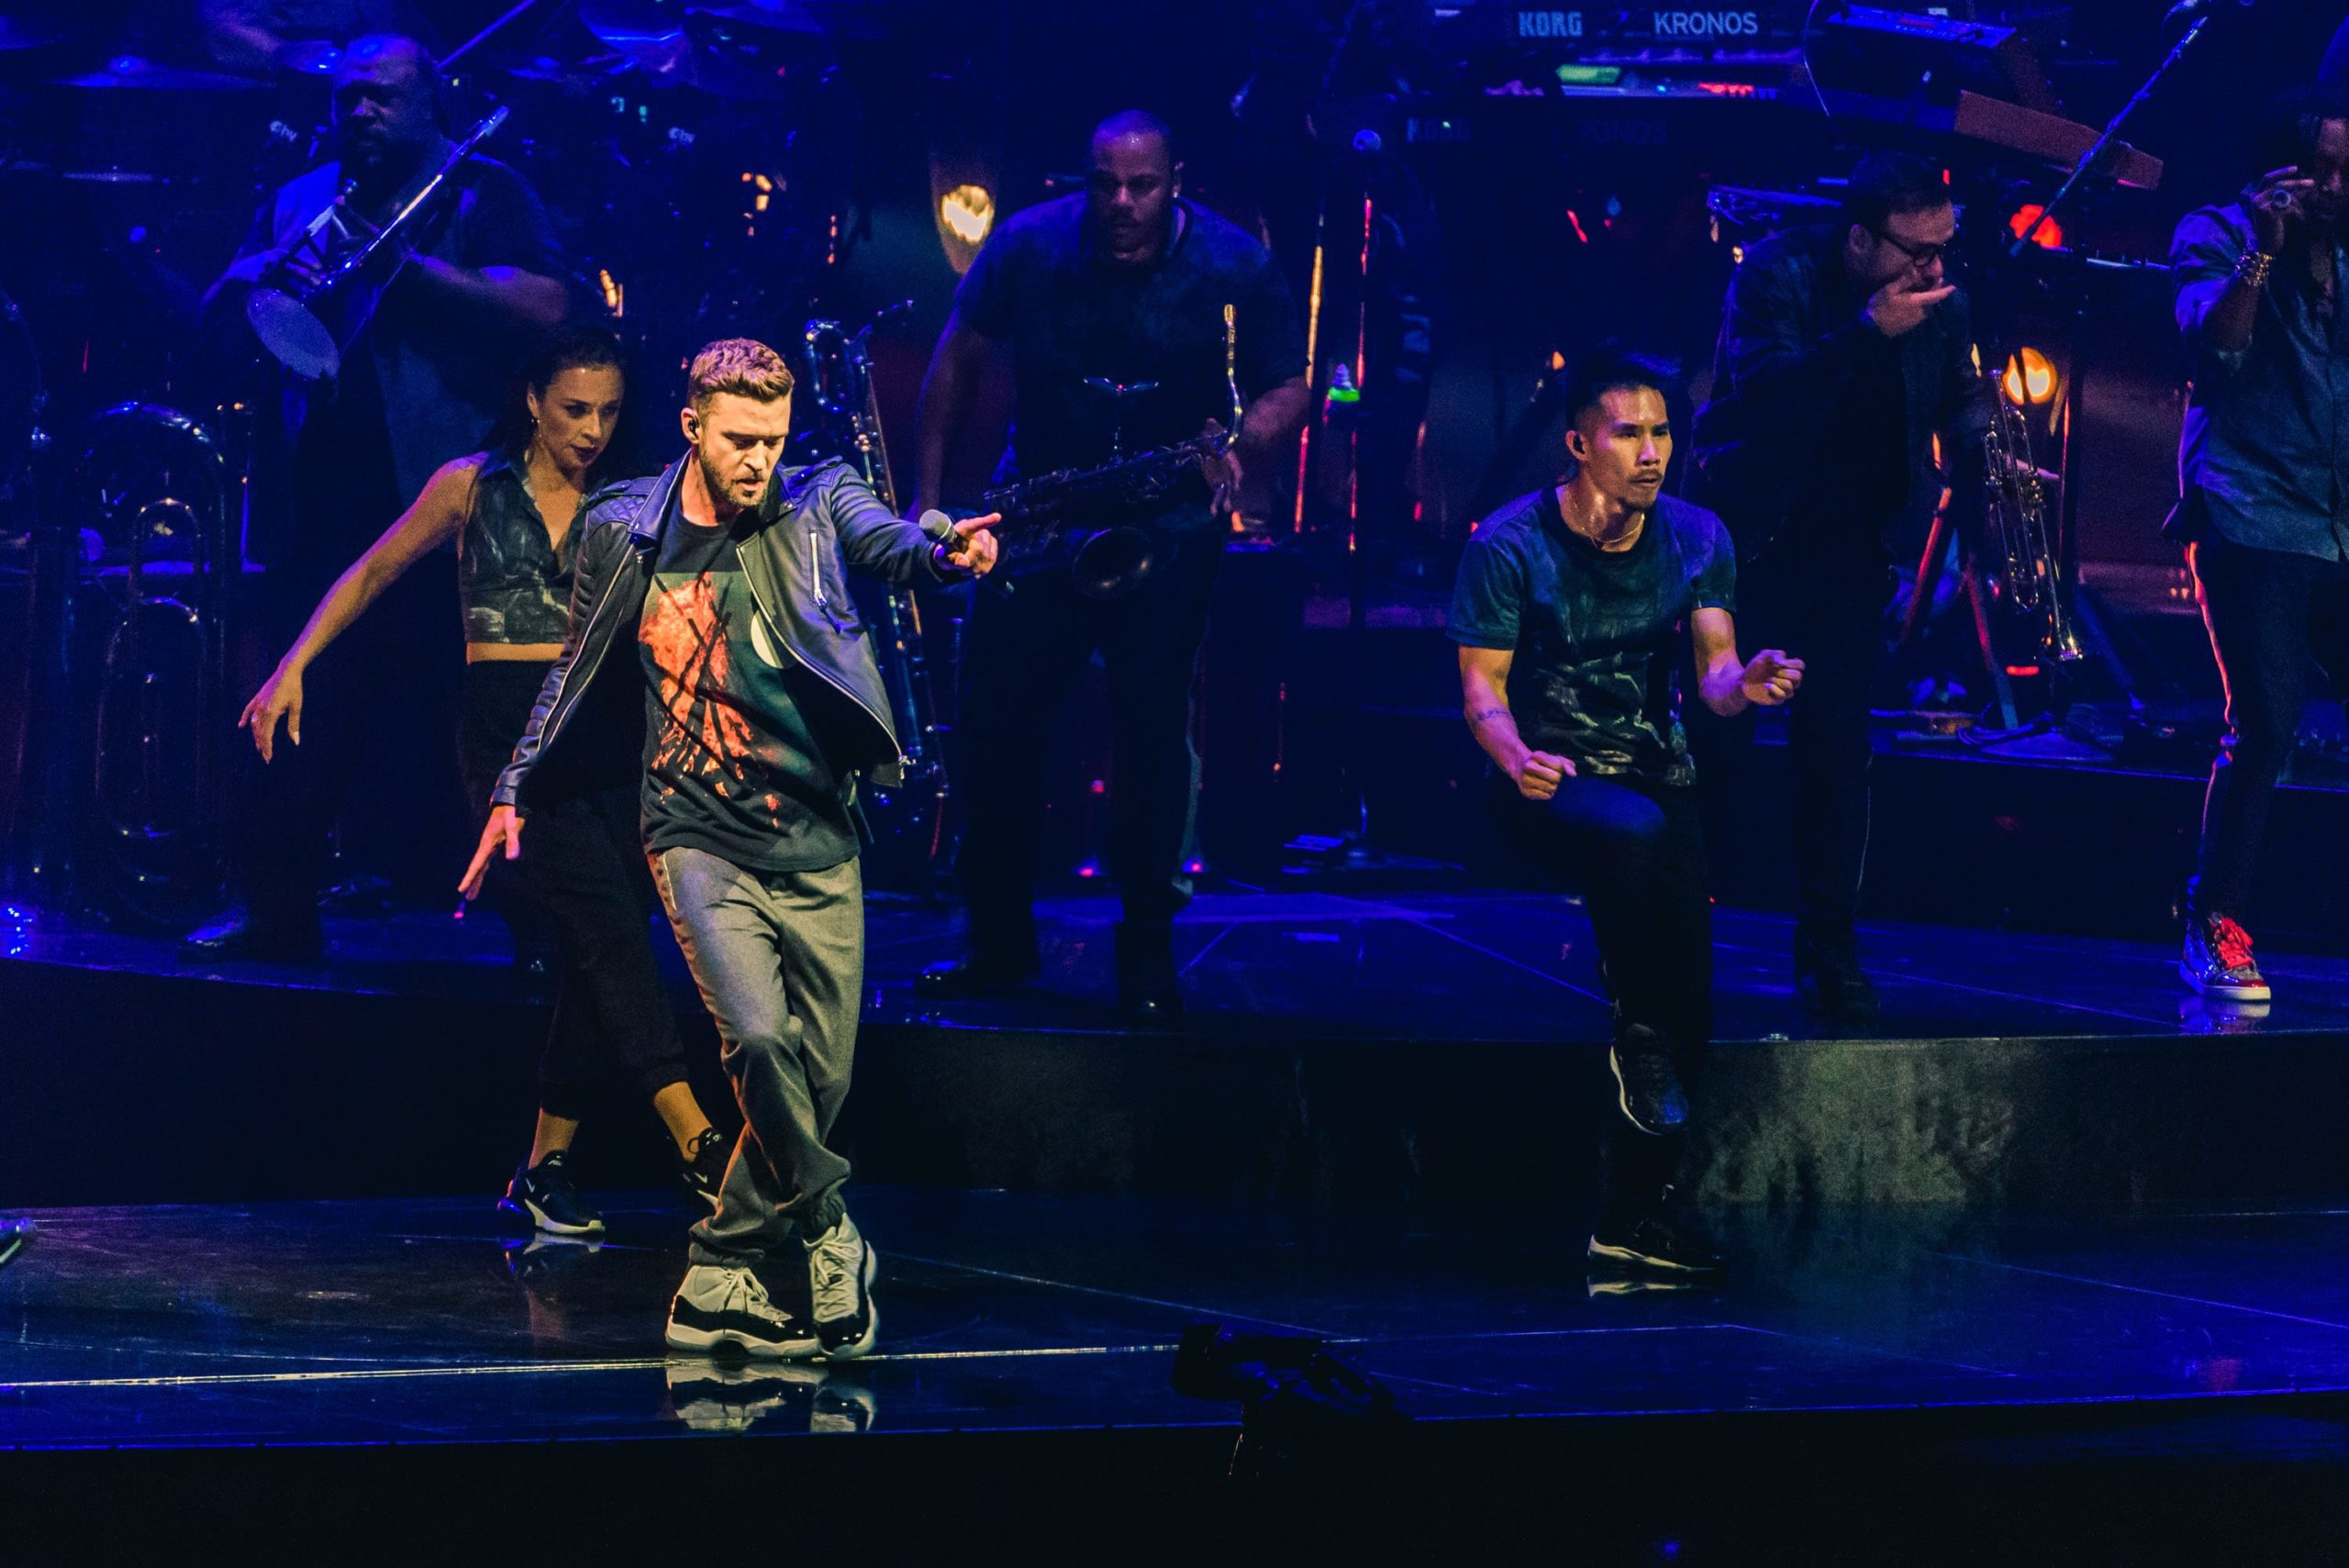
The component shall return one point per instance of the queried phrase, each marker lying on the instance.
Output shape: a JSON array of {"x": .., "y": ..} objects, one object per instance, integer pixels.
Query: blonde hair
[{"x": 744, "y": 366}]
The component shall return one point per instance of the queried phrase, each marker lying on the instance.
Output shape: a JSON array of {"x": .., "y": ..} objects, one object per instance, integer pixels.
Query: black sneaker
[
  {"x": 1653, "y": 1241},
  {"x": 1149, "y": 989},
  {"x": 1647, "y": 1085},
  {"x": 704, "y": 1168},
  {"x": 543, "y": 1194},
  {"x": 1829, "y": 984},
  {"x": 717, "y": 1307},
  {"x": 840, "y": 1279}
]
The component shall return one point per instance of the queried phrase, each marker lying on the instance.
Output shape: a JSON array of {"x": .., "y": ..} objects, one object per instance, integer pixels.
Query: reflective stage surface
[
  {"x": 1481, "y": 963},
  {"x": 434, "y": 1321}
]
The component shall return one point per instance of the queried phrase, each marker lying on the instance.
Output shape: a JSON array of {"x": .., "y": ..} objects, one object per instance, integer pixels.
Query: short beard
[
  {"x": 721, "y": 494},
  {"x": 382, "y": 166}
]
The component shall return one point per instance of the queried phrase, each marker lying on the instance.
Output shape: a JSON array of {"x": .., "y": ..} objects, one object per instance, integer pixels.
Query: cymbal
[
  {"x": 635, "y": 24},
  {"x": 778, "y": 16},
  {"x": 311, "y": 57},
  {"x": 681, "y": 44},
  {"x": 130, "y": 71},
  {"x": 17, "y": 33},
  {"x": 560, "y": 73},
  {"x": 632, "y": 25}
]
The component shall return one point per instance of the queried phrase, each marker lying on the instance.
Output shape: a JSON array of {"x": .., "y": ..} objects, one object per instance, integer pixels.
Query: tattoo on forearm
[{"x": 1479, "y": 715}]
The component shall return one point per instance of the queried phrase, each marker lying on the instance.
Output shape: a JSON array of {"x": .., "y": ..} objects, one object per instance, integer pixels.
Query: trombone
[{"x": 287, "y": 311}]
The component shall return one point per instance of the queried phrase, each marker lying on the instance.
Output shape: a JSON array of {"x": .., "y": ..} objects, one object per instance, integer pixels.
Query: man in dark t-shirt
[
  {"x": 1568, "y": 611},
  {"x": 1111, "y": 304}
]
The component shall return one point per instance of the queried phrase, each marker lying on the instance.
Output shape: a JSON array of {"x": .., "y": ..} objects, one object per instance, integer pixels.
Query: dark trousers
[
  {"x": 376, "y": 720},
  {"x": 2268, "y": 613},
  {"x": 1023, "y": 654},
  {"x": 583, "y": 876},
  {"x": 1829, "y": 615},
  {"x": 1637, "y": 853}
]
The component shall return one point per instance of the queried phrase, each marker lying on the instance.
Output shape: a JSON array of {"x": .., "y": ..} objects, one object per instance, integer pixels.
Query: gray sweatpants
[{"x": 779, "y": 957}]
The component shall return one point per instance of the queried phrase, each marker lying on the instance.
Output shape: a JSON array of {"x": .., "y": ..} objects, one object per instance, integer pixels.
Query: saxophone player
[
  {"x": 1111, "y": 304},
  {"x": 1844, "y": 349}
]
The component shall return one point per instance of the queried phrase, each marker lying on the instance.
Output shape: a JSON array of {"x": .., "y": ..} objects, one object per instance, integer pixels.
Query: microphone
[{"x": 940, "y": 528}]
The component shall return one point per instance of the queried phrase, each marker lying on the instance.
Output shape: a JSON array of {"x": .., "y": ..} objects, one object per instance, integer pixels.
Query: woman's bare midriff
[{"x": 512, "y": 652}]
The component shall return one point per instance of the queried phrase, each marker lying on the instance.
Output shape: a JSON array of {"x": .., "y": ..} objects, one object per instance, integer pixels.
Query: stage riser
[
  {"x": 1982, "y": 1125},
  {"x": 128, "y": 1088},
  {"x": 1957, "y": 838}
]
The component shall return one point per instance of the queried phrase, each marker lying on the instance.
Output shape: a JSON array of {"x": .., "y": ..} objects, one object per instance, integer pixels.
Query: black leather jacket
[
  {"x": 1790, "y": 345},
  {"x": 812, "y": 525}
]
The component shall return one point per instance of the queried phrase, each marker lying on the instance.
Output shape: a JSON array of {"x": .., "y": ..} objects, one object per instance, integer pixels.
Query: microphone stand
[
  {"x": 2091, "y": 163},
  {"x": 2094, "y": 164}
]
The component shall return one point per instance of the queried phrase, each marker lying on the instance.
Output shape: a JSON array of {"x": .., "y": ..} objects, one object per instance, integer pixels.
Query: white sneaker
[
  {"x": 718, "y": 1307},
  {"x": 840, "y": 1277}
]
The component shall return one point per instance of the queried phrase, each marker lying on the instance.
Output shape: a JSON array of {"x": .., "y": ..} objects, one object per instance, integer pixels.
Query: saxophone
[{"x": 1110, "y": 563}]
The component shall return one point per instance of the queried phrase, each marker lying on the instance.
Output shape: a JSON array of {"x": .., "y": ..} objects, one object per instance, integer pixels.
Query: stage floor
[
  {"x": 434, "y": 1321},
  {"x": 1483, "y": 966}
]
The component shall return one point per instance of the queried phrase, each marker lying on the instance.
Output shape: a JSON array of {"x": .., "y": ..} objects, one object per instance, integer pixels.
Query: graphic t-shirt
[
  {"x": 1596, "y": 633},
  {"x": 735, "y": 761}
]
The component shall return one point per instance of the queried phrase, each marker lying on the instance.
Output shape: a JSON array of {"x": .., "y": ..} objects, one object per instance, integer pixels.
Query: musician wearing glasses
[
  {"x": 1844, "y": 351},
  {"x": 417, "y": 384},
  {"x": 2264, "y": 460},
  {"x": 1113, "y": 307}
]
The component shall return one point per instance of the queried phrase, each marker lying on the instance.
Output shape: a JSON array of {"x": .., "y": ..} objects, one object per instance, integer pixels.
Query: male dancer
[
  {"x": 1568, "y": 613},
  {"x": 2264, "y": 463},
  {"x": 1112, "y": 305},
  {"x": 1844, "y": 349},
  {"x": 716, "y": 589}
]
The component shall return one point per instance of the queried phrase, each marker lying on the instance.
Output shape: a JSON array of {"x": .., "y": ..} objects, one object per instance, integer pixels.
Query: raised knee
[{"x": 761, "y": 1041}]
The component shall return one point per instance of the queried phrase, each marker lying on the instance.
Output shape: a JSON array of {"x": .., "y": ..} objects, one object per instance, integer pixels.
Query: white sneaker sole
[
  {"x": 539, "y": 1217},
  {"x": 2221, "y": 990},
  {"x": 1614, "y": 1255},
  {"x": 685, "y": 1338}
]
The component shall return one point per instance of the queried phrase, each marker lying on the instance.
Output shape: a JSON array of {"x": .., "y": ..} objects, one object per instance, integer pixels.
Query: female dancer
[{"x": 510, "y": 509}]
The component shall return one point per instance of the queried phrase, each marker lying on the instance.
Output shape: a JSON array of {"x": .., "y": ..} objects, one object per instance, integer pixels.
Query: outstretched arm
[
  {"x": 1484, "y": 693},
  {"x": 897, "y": 550},
  {"x": 1727, "y": 684},
  {"x": 437, "y": 515}
]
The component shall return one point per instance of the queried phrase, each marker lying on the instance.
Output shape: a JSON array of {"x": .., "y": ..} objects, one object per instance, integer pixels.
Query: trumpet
[
  {"x": 2030, "y": 559},
  {"x": 289, "y": 313}
]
